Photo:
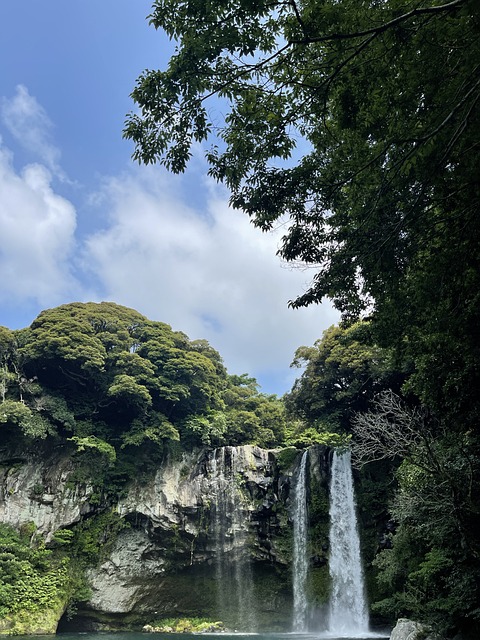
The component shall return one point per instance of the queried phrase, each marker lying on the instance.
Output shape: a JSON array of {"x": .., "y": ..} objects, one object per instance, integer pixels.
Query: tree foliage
[
  {"x": 356, "y": 126},
  {"x": 114, "y": 385},
  {"x": 31, "y": 578},
  {"x": 119, "y": 392},
  {"x": 343, "y": 372},
  {"x": 383, "y": 94},
  {"x": 429, "y": 568}
]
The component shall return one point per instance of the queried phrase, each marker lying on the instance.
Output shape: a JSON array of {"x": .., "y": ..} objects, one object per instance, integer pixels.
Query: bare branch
[{"x": 389, "y": 431}]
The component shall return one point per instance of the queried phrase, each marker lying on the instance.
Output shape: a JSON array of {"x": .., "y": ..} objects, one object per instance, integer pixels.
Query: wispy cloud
[
  {"x": 169, "y": 247},
  {"x": 207, "y": 272},
  {"x": 30, "y": 125},
  {"x": 37, "y": 228}
]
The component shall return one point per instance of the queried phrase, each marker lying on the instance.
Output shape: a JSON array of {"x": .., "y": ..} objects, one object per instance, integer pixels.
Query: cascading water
[
  {"x": 233, "y": 568},
  {"x": 300, "y": 551},
  {"x": 348, "y": 610},
  {"x": 241, "y": 558},
  {"x": 219, "y": 522}
]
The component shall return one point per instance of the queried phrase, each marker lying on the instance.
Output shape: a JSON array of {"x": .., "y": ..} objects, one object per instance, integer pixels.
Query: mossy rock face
[
  {"x": 195, "y": 593},
  {"x": 184, "y": 625},
  {"x": 155, "y": 554},
  {"x": 318, "y": 586},
  {"x": 286, "y": 458},
  {"x": 44, "y": 622},
  {"x": 273, "y": 597},
  {"x": 319, "y": 521}
]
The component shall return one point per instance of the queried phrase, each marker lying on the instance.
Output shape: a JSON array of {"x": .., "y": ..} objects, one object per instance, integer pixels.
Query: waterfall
[
  {"x": 241, "y": 557},
  {"x": 348, "y": 610},
  {"x": 232, "y": 564},
  {"x": 300, "y": 551},
  {"x": 219, "y": 522}
]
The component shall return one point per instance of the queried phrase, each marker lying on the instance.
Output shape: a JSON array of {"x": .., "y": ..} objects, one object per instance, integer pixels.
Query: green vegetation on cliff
[
  {"x": 112, "y": 384},
  {"x": 36, "y": 583},
  {"x": 118, "y": 393}
]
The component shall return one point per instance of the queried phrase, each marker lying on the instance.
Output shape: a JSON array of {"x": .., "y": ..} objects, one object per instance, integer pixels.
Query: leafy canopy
[
  {"x": 31, "y": 578},
  {"x": 112, "y": 383},
  {"x": 373, "y": 105},
  {"x": 343, "y": 372},
  {"x": 356, "y": 126}
]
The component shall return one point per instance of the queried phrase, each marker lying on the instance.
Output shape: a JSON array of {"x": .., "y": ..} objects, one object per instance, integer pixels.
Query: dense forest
[{"x": 356, "y": 126}]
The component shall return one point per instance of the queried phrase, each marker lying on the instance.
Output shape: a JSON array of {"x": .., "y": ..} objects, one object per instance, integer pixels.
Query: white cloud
[
  {"x": 202, "y": 267},
  {"x": 208, "y": 273},
  {"x": 37, "y": 228},
  {"x": 30, "y": 125}
]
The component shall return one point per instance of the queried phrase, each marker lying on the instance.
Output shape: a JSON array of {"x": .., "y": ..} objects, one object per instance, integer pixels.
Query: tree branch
[{"x": 450, "y": 6}]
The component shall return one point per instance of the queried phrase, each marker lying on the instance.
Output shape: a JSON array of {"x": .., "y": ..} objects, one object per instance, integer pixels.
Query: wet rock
[{"x": 406, "y": 629}]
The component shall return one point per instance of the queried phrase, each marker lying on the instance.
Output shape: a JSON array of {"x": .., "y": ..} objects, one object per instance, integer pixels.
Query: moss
[
  {"x": 319, "y": 518},
  {"x": 39, "y": 622},
  {"x": 94, "y": 538},
  {"x": 284, "y": 544},
  {"x": 318, "y": 585},
  {"x": 186, "y": 625},
  {"x": 184, "y": 471},
  {"x": 272, "y": 586},
  {"x": 286, "y": 458}
]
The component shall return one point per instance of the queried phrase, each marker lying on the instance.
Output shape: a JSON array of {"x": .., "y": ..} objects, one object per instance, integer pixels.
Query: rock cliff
[
  {"x": 37, "y": 489},
  {"x": 208, "y": 535}
]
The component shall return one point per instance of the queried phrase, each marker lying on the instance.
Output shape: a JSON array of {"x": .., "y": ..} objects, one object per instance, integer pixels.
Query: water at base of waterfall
[{"x": 192, "y": 636}]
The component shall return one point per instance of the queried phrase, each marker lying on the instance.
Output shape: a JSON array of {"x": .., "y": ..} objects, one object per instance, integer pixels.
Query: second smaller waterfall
[
  {"x": 300, "y": 550},
  {"x": 235, "y": 596}
]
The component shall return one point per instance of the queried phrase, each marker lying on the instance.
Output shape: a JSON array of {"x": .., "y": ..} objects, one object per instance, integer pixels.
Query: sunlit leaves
[
  {"x": 157, "y": 431},
  {"x": 342, "y": 373},
  {"x": 30, "y": 423},
  {"x": 96, "y": 445},
  {"x": 31, "y": 579},
  {"x": 348, "y": 122},
  {"x": 110, "y": 380},
  {"x": 128, "y": 390}
]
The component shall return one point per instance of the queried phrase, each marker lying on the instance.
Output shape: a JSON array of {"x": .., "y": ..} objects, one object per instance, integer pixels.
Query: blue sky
[{"x": 80, "y": 221}]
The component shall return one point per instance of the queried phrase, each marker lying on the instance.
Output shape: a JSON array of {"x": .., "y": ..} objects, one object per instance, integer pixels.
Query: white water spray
[
  {"x": 348, "y": 610},
  {"x": 241, "y": 558},
  {"x": 233, "y": 569},
  {"x": 300, "y": 552}
]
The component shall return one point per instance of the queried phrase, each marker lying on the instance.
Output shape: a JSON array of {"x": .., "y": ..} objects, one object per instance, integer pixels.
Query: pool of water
[{"x": 221, "y": 636}]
